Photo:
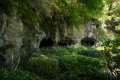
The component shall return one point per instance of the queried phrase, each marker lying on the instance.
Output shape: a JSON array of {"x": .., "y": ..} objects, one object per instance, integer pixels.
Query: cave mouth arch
[
  {"x": 88, "y": 42},
  {"x": 66, "y": 41},
  {"x": 46, "y": 42}
]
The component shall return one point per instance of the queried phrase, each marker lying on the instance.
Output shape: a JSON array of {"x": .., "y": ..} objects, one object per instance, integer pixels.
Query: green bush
[
  {"x": 93, "y": 53},
  {"x": 66, "y": 63},
  {"x": 54, "y": 51},
  {"x": 59, "y": 51},
  {"x": 18, "y": 75},
  {"x": 43, "y": 66},
  {"x": 102, "y": 76},
  {"x": 79, "y": 67},
  {"x": 75, "y": 49}
]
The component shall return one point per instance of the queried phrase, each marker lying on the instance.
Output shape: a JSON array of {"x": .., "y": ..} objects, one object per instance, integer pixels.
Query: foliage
[
  {"x": 112, "y": 53},
  {"x": 68, "y": 12},
  {"x": 112, "y": 18},
  {"x": 55, "y": 12},
  {"x": 68, "y": 66},
  {"x": 22, "y": 6},
  {"x": 113, "y": 7},
  {"x": 18, "y": 75},
  {"x": 59, "y": 51},
  {"x": 26, "y": 50},
  {"x": 43, "y": 66},
  {"x": 62, "y": 63},
  {"x": 5, "y": 6},
  {"x": 75, "y": 49},
  {"x": 27, "y": 44},
  {"x": 79, "y": 67},
  {"x": 5, "y": 47},
  {"x": 93, "y": 6},
  {"x": 93, "y": 53},
  {"x": 24, "y": 57},
  {"x": 101, "y": 34}
]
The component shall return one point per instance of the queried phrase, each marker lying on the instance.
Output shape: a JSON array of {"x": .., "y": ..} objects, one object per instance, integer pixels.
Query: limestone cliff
[{"x": 13, "y": 31}]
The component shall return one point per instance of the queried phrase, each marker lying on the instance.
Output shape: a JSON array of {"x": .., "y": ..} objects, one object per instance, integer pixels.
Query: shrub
[
  {"x": 93, "y": 53},
  {"x": 79, "y": 67},
  {"x": 102, "y": 76},
  {"x": 18, "y": 75},
  {"x": 43, "y": 66},
  {"x": 59, "y": 51},
  {"x": 75, "y": 49},
  {"x": 59, "y": 63}
]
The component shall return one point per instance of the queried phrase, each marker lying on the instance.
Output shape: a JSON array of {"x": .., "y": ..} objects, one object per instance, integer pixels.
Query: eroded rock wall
[
  {"x": 69, "y": 35},
  {"x": 12, "y": 31}
]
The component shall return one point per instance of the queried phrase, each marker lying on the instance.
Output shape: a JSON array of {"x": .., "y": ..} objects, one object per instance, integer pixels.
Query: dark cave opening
[
  {"x": 46, "y": 43},
  {"x": 88, "y": 42},
  {"x": 2, "y": 61},
  {"x": 66, "y": 42}
]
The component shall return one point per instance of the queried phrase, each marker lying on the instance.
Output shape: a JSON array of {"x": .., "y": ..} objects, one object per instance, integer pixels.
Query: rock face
[
  {"x": 11, "y": 34},
  {"x": 3, "y": 25},
  {"x": 12, "y": 31},
  {"x": 71, "y": 36}
]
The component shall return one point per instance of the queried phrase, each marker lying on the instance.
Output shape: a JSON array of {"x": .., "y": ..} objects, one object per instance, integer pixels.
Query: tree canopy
[
  {"x": 113, "y": 15},
  {"x": 70, "y": 12}
]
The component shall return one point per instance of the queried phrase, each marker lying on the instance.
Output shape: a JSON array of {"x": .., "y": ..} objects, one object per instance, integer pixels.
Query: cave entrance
[
  {"x": 66, "y": 41},
  {"x": 46, "y": 43},
  {"x": 2, "y": 61},
  {"x": 88, "y": 42}
]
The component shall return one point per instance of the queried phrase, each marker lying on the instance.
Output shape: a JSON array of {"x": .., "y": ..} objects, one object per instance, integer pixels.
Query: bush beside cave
[
  {"x": 93, "y": 53},
  {"x": 44, "y": 67},
  {"x": 65, "y": 63},
  {"x": 78, "y": 67},
  {"x": 70, "y": 66}
]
